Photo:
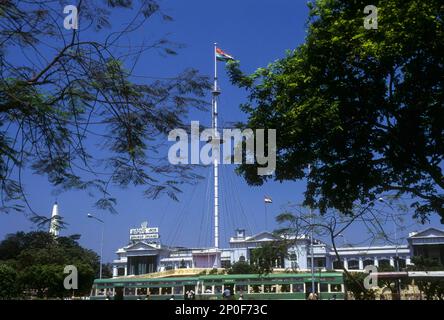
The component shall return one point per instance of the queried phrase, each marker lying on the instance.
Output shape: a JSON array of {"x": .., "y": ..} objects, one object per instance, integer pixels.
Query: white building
[{"x": 149, "y": 255}]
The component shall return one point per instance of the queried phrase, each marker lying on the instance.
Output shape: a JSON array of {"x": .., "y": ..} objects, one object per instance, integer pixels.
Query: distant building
[
  {"x": 145, "y": 253},
  {"x": 54, "y": 226}
]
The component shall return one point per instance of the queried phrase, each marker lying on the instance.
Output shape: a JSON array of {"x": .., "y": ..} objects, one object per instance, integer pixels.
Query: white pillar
[
  {"x": 126, "y": 270},
  {"x": 345, "y": 263},
  {"x": 408, "y": 261},
  {"x": 115, "y": 271},
  {"x": 376, "y": 263},
  {"x": 392, "y": 261},
  {"x": 361, "y": 264}
]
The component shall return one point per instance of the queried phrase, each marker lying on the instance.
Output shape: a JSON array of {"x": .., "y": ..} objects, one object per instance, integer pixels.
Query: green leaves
[
  {"x": 83, "y": 119},
  {"x": 361, "y": 106},
  {"x": 35, "y": 262}
]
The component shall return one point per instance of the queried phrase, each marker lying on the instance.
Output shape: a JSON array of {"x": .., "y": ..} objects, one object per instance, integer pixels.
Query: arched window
[
  {"x": 368, "y": 262},
  {"x": 384, "y": 263},
  {"x": 338, "y": 264},
  {"x": 242, "y": 258},
  {"x": 353, "y": 264}
]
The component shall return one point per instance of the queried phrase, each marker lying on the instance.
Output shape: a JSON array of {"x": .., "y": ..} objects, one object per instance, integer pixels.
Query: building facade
[{"x": 145, "y": 253}]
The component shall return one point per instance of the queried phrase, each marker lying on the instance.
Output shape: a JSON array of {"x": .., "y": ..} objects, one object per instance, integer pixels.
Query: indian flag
[
  {"x": 223, "y": 56},
  {"x": 268, "y": 199}
]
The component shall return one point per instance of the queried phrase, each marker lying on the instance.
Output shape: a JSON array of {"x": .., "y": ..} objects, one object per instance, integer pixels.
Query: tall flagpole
[{"x": 216, "y": 93}]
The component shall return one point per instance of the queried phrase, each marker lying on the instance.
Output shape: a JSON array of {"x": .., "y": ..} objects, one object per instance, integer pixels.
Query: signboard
[
  {"x": 144, "y": 236},
  {"x": 144, "y": 233}
]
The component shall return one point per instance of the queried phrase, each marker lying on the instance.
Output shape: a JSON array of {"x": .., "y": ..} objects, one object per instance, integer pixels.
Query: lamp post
[
  {"x": 101, "y": 241},
  {"x": 396, "y": 262}
]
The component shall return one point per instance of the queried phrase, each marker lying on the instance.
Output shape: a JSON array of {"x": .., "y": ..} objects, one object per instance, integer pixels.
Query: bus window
[
  {"x": 285, "y": 288},
  {"x": 166, "y": 290},
  {"x": 130, "y": 291},
  {"x": 142, "y": 291},
  {"x": 335, "y": 288},
  {"x": 154, "y": 291},
  {"x": 241, "y": 288},
  {"x": 298, "y": 287},
  {"x": 178, "y": 290},
  {"x": 217, "y": 289},
  {"x": 208, "y": 289},
  {"x": 268, "y": 288},
  {"x": 323, "y": 287},
  {"x": 256, "y": 289}
]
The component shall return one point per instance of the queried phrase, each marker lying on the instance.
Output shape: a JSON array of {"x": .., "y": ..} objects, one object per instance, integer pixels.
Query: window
[
  {"x": 268, "y": 288},
  {"x": 242, "y": 258},
  {"x": 241, "y": 288},
  {"x": 256, "y": 289},
  {"x": 225, "y": 264},
  {"x": 120, "y": 271},
  {"x": 368, "y": 262},
  {"x": 320, "y": 262},
  {"x": 130, "y": 291},
  {"x": 154, "y": 290},
  {"x": 298, "y": 287},
  {"x": 384, "y": 263},
  {"x": 323, "y": 287},
  {"x": 338, "y": 264},
  {"x": 285, "y": 288},
  {"x": 353, "y": 264},
  {"x": 166, "y": 290},
  {"x": 217, "y": 289},
  {"x": 335, "y": 288},
  {"x": 178, "y": 290},
  {"x": 141, "y": 291}
]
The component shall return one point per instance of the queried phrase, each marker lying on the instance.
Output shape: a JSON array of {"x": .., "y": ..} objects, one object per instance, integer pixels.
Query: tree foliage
[
  {"x": 265, "y": 257},
  {"x": 433, "y": 289},
  {"x": 242, "y": 267},
  {"x": 72, "y": 108},
  {"x": 363, "y": 107},
  {"x": 38, "y": 261},
  {"x": 9, "y": 287}
]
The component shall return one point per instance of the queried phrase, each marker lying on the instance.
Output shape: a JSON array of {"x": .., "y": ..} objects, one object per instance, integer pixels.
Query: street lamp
[{"x": 101, "y": 242}]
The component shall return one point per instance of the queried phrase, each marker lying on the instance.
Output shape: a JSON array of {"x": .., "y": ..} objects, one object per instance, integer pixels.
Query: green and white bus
[{"x": 295, "y": 286}]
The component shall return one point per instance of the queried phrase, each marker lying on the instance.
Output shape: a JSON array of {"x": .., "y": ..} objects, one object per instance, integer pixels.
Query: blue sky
[{"x": 254, "y": 32}]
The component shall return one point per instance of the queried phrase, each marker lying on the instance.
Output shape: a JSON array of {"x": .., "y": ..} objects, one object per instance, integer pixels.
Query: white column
[
  {"x": 408, "y": 261},
  {"x": 345, "y": 263},
  {"x": 376, "y": 263},
  {"x": 392, "y": 261},
  {"x": 361, "y": 264},
  {"x": 126, "y": 270},
  {"x": 115, "y": 271}
]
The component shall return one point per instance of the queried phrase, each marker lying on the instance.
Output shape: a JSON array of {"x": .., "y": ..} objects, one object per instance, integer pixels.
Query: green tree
[
  {"x": 269, "y": 255},
  {"x": 39, "y": 260},
  {"x": 78, "y": 93},
  {"x": 363, "y": 107},
  {"x": 353, "y": 282},
  {"x": 242, "y": 267},
  {"x": 9, "y": 287},
  {"x": 433, "y": 289}
]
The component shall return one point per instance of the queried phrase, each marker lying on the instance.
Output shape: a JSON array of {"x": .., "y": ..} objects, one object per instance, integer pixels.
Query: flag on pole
[
  {"x": 223, "y": 56},
  {"x": 267, "y": 199}
]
